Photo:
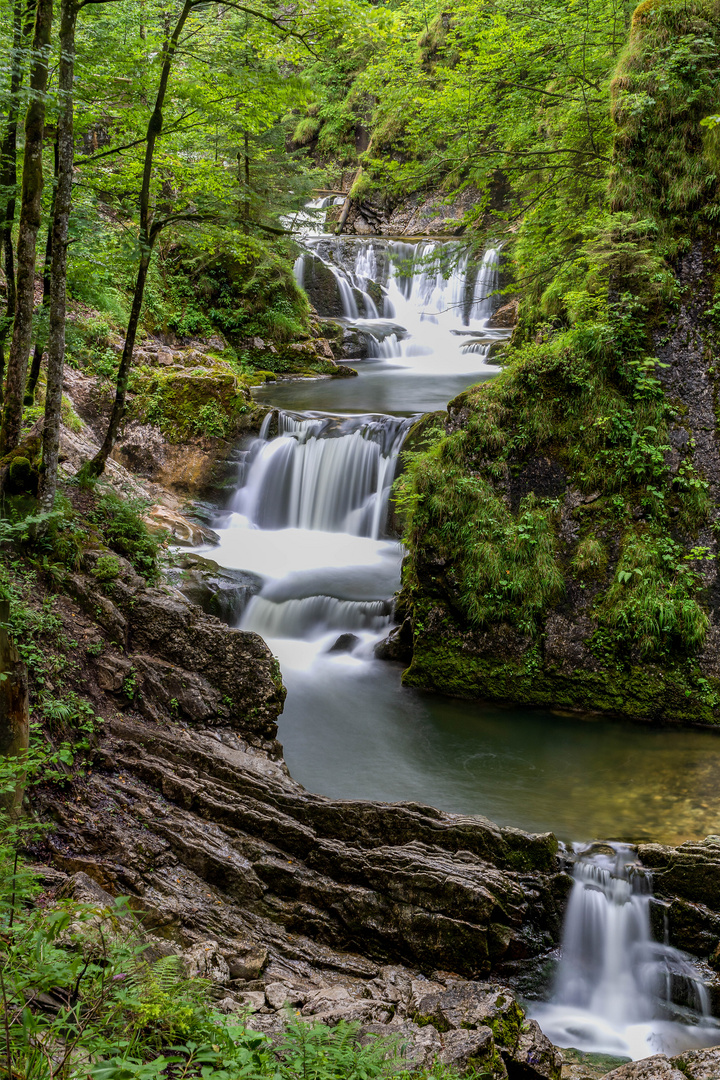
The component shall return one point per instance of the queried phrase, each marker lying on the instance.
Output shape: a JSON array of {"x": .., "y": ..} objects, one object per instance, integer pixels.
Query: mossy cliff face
[{"x": 562, "y": 527}]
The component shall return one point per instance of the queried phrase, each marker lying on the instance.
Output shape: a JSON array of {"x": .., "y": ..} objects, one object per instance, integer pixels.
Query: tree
[{"x": 30, "y": 217}]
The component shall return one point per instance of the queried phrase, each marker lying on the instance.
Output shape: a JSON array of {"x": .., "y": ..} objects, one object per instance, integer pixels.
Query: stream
[{"x": 310, "y": 516}]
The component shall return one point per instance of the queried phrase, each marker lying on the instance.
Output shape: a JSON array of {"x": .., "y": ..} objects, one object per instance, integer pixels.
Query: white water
[
  {"x": 617, "y": 990},
  {"x": 310, "y": 516},
  {"x": 429, "y": 305}
]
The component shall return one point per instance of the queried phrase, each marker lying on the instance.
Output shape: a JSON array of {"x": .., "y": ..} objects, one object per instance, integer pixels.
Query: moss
[
  {"x": 185, "y": 404},
  {"x": 22, "y": 477},
  {"x": 673, "y": 693}
]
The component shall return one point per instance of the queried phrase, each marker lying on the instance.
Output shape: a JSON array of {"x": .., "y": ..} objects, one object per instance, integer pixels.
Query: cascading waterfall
[
  {"x": 617, "y": 990},
  {"x": 427, "y": 291},
  {"x": 310, "y": 516},
  {"x": 321, "y": 473}
]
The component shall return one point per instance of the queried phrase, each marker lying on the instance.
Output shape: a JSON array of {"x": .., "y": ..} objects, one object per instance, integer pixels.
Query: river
[{"x": 310, "y": 516}]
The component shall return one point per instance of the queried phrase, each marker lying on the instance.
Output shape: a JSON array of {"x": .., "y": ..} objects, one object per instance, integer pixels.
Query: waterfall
[
  {"x": 309, "y": 515},
  {"x": 322, "y": 473},
  {"x": 617, "y": 990},
  {"x": 486, "y": 284}
]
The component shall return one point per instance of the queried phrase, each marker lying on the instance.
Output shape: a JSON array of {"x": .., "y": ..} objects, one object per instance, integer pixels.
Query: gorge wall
[{"x": 562, "y": 527}]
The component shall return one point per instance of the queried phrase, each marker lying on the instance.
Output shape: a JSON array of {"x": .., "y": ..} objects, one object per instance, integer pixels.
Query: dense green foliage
[{"x": 581, "y": 389}]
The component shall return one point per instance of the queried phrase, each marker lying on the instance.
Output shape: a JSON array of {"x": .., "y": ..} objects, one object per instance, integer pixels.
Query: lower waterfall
[{"x": 617, "y": 990}]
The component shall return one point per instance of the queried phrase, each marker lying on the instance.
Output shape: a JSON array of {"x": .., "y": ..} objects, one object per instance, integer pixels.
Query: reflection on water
[
  {"x": 379, "y": 388},
  {"x": 581, "y": 778}
]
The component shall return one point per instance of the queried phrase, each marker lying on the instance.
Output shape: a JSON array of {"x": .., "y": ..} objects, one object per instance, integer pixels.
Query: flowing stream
[
  {"x": 617, "y": 990},
  {"x": 311, "y": 516}
]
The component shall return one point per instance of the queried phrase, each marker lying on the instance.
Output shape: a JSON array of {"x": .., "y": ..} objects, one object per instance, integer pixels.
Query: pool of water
[
  {"x": 378, "y": 388},
  {"x": 350, "y": 730}
]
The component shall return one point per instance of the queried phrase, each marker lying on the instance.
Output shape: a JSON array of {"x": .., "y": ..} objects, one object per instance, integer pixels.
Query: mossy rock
[
  {"x": 186, "y": 404},
  {"x": 22, "y": 477}
]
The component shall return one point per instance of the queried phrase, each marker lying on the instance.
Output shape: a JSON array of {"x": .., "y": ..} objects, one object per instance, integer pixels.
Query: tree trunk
[
  {"x": 347, "y": 204},
  {"x": 8, "y": 176},
  {"x": 30, "y": 214},
  {"x": 148, "y": 236},
  {"x": 42, "y": 334},
  {"x": 14, "y": 711},
  {"x": 64, "y": 158}
]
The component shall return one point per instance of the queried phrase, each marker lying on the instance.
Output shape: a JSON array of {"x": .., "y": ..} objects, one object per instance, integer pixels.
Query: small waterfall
[
  {"x": 322, "y": 473},
  {"x": 312, "y": 616},
  {"x": 617, "y": 990},
  {"x": 486, "y": 284}
]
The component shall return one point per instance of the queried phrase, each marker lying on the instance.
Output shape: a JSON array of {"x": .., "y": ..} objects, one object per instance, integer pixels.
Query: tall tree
[
  {"x": 58, "y": 268},
  {"x": 148, "y": 234},
  {"x": 30, "y": 214},
  {"x": 22, "y": 25}
]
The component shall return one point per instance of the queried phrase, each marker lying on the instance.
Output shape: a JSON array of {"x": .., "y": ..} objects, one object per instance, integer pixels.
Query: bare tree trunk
[
  {"x": 64, "y": 158},
  {"x": 30, "y": 214},
  {"x": 8, "y": 175},
  {"x": 14, "y": 710},
  {"x": 42, "y": 333},
  {"x": 148, "y": 235}
]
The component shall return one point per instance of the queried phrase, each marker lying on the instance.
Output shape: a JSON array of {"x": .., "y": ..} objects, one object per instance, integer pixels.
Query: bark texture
[
  {"x": 14, "y": 709},
  {"x": 30, "y": 215},
  {"x": 8, "y": 175},
  {"x": 58, "y": 271}
]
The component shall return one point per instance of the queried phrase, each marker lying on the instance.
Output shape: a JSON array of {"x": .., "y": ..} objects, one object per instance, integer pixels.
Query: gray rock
[
  {"x": 278, "y": 995},
  {"x": 205, "y": 961},
  {"x": 463, "y": 1050},
  {"x": 218, "y": 591},
  {"x": 345, "y": 643},
  {"x": 657, "y": 1067},
  {"x": 248, "y": 964}
]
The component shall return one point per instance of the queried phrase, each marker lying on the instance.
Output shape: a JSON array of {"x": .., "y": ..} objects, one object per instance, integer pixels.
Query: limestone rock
[
  {"x": 218, "y": 591},
  {"x": 249, "y": 963},
  {"x": 464, "y": 1050},
  {"x": 278, "y": 995},
  {"x": 657, "y": 1067},
  {"x": 205, "y": 961},
  {"x": 181, "y": 529},
  {"x": 165, "y": 356}
]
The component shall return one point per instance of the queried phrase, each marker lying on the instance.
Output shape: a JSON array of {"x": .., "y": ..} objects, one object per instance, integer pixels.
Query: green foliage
[
  {"x": 121, "y": 526},
  {"x": 107, "y": 568}
]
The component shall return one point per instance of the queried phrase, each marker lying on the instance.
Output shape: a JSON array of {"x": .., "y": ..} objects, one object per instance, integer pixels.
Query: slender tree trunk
[
  {"x": 14, "y": 711},
  {"x": 8, "y": 175},
  {"x": 246, "y": 222},
  {"x": 30, "y": 214},
  {"x": 41, "y": 338},
  {"x": 58, "y": 272},
  {"x": 148, "y": 236}
]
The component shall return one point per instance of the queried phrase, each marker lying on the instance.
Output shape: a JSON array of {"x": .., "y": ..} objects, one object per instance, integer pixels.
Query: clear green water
[{"x": 352, "y": 731}]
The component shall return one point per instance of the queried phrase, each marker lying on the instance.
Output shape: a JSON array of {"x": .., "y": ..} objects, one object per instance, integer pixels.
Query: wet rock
[
  {"x": 397, "y": 645},
  {"x": 345, "y": 643},
  {"x": 505, "y": 317},
  {"x": 205, "y": 961},
  {"x": 218, "y": 591},
  {"x": 342, "y": 371},
  {"x": 180, "y": 528},
  {"x": 354, "y": 344}
]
